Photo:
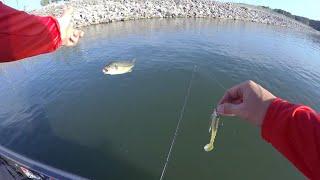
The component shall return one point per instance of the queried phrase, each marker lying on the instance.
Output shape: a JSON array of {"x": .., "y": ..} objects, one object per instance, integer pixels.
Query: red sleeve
[
  {"x": 23, "y": 35},
  {"x": 294, "y": 130}
]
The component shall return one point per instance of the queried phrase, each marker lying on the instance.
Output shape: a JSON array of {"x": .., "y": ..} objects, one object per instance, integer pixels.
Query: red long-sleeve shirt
[
  {"x": 23, "y": 35},
  {"x": 294, "y": 130}
]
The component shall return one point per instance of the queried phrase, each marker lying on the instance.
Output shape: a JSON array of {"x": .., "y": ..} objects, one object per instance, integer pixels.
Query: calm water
[{"x": 61, "y": 110}]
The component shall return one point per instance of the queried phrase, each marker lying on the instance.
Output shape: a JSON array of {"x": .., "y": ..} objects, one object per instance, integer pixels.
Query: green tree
[{"x": 44, "y": 2}]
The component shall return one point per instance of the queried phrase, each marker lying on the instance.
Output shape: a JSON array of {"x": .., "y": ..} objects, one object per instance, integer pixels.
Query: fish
[
  {"x": 119, "y": 67},
  {"x": 213, "y": 129}
]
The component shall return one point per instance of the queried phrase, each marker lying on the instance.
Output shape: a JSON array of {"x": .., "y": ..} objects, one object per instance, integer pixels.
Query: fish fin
[
  {"x": 133, "y": 60},
  {"x": 130, "y": 70}
]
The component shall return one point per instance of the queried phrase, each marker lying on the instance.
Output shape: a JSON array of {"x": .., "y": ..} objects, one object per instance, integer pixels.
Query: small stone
[{"x": 89, "y": 12}]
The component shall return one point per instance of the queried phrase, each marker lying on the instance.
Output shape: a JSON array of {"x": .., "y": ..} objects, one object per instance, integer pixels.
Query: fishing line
[
  {"x": 308, "y": 101},
  {"x": 179, "y": 121},
  {"x": 213, "y": 77},
  {"x": 217, "y": 81}
]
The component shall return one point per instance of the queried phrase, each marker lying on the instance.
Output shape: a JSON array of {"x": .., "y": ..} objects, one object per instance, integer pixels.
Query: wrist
[
  {"x": 60, "y": 25},
  {"x": 265, "y": 106}
]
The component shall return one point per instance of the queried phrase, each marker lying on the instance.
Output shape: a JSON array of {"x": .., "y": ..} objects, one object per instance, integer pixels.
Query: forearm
[
  {"x": 23, "y": 35},
  {"x": 294, "y": 130}
]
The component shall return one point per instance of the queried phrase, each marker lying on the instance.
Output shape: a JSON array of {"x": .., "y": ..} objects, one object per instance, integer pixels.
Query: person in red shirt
[
  {"x": 24, "y": 35},
  {"x": 294, "y": 130}
]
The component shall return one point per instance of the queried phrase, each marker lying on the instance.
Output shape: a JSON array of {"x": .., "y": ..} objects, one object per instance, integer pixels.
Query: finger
[
  {"x": 74, "y": 39},
  {"x": 233, "y": 93},
  {"x": 227, "y": 97},
  {"x": 78, "y": 33},
  {"x": 69, "y": 43},
  {"x": 230, "y": 109},
  {"x": 81, "y": 33},
  {"x": 237, "y": 101}
]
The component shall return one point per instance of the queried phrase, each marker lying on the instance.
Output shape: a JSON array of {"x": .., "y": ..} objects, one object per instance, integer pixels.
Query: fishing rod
[{"x": 33, "y": 169}]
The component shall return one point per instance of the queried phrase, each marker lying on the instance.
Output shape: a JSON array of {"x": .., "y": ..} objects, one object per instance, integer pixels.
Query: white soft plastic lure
[{"x": 213, "y": 129}]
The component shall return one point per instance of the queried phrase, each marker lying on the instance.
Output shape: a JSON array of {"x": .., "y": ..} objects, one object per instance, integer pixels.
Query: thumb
[
  {"x": 67, "y": 10},
  {"x": 229, "y": 109}
]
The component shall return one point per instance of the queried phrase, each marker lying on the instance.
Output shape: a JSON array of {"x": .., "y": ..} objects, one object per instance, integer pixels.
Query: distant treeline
[
  {"x": 46, "y": 2},
  {"x": 312, "y": 23}
]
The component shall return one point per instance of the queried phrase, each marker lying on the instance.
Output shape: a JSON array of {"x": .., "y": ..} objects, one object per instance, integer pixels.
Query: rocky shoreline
[{"x": 89, "y": 12}]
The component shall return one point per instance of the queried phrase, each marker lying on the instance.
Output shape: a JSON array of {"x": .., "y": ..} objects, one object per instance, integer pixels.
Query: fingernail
[{"x": 220, "y": 109}]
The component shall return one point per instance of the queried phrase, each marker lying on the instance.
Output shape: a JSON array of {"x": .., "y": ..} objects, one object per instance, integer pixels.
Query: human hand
[
  {"x": 69, "y": 35},
  {"x": 247, "y": 100}
]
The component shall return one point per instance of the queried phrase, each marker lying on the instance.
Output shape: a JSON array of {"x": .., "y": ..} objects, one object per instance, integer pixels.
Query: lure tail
[{"x": 213, "y": 129}]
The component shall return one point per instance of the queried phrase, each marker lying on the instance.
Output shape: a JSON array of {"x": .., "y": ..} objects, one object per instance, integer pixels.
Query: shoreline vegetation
[{"x": 90, "y": 12}]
